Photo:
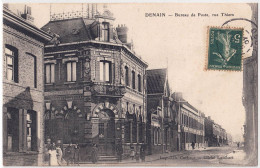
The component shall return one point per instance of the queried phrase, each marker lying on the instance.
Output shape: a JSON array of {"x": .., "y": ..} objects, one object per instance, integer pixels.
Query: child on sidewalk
[{"x": 132, "y": 153}]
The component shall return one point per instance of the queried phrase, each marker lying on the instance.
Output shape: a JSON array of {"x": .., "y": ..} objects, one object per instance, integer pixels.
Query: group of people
[
  {"x": 55, "y": 156},
  {"x": 138, "y": 155}
]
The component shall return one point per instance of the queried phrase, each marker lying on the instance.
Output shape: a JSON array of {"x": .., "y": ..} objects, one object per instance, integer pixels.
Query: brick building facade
[
  {"x": 160, "y": 117},
  {"x": 23, "y": 98},
  {"x": 215, "y": 135},
  {"x": 94, "y": 85},
  {"x": 190, "y": 124}
]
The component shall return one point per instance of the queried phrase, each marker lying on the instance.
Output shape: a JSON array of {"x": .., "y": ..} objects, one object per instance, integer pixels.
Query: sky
[{"x": 179, "y": 43}]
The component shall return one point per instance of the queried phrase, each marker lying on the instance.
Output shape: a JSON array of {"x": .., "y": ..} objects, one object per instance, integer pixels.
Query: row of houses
[
  {"x": 173, "y": 124},
  {"x": 77, "y": 80}
]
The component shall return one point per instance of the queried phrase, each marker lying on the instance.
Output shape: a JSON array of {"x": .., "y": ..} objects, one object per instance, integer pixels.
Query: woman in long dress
[
  {"x": 59, "y": 155},
  {"x": 76, "y": 154},
  {"x": 53, "y": 155}
]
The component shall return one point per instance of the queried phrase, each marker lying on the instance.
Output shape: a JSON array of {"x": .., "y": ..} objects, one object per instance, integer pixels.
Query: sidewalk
[
  {"x": 237, "y": 157},
  {"x": 148, "y": 158},
  {"x": 154, "y": 157}
]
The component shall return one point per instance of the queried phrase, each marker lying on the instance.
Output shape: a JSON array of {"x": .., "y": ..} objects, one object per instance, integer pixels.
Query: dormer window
[{"x": 105, "y": 32}]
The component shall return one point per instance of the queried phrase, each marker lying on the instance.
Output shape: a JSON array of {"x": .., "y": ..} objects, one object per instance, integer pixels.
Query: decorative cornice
[{"x": 124, "y": 47}]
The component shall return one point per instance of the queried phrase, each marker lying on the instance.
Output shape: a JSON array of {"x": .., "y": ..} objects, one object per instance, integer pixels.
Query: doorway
[{"x": 106, "y": 132}]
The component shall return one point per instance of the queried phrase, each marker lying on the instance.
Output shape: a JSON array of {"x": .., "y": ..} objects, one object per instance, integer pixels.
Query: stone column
[{"x": 22, "y": 130}]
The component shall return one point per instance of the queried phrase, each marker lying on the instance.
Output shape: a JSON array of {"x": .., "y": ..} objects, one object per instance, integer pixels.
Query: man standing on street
[
  {"x": 142, "y": 152},
  {"x": 193, "y": 145},
  {"x": 69, "y": 154},
  {"x": 119, "y": 151}
]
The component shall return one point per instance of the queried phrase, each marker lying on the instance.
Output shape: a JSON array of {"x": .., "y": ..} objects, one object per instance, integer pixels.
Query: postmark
[
  {"x": 224, "y": 49},
  {"x": 250, "y": 35}
]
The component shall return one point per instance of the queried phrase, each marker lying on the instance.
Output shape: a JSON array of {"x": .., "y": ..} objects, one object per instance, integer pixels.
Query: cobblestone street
[{"x": 211, "y": 156}]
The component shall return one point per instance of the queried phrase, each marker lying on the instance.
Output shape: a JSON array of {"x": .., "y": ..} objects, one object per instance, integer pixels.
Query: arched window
[
  {"x": 73, "y": 129},
  {"x": 11, "y": 55},
  {"x": 133, "y": 79},
  {"x": 33, "y": 68},
  {"x": 126, "y": 76},
  {"x": 50, "y": 125},
  {"x": 139, "y": 83}
]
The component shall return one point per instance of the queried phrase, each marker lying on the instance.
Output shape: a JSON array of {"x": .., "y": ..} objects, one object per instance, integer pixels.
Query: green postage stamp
[{"x": 225, "y": 49}]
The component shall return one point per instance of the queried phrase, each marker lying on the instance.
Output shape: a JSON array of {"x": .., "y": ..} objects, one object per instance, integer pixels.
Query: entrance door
[{"x": 106, "y": 133}]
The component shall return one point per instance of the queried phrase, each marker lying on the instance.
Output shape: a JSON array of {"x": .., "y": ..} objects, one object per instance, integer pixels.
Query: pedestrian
[
  {"x": 59, "y": 154},
  {"x": 69, "y": 154},
  {"x": 137, "y": 156},
  {"x": 94, "y": 154},
  {"x": 46, "y": 151},
  {"x": 132, "y": 153},
  {"x": 119, "y": 152},
  {"x": 76, "y": 154},
  {"x": 142, "y": 152},
  {"x": 193, "y": 144},
  {"x": 53, "y": 155},
  {"x": 238, "y": 145}
]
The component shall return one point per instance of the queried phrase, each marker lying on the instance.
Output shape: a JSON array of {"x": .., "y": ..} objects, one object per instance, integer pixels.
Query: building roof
[
  {"x": 177, "y": 96},
  {"x": 82, "y": 30},
  {"x": 74, "y": 30},
  {"x": 22, "y": 24},
  {"x": 156, "y": 80}
]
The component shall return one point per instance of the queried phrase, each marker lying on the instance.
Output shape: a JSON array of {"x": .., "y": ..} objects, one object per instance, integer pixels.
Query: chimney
[
  {"x": 5, "y": 5},
  {"x": 27, "y": 15},
  {"x": 177, "y": 96},
  {"x": 122, "y": 33}
]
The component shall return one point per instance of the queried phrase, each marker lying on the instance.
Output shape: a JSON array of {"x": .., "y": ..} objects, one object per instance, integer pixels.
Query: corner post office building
[{"x": 94, "y": 84}]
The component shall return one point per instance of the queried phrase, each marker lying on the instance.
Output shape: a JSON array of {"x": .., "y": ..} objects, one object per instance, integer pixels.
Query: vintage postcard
[{"x": 130, "y": 84}]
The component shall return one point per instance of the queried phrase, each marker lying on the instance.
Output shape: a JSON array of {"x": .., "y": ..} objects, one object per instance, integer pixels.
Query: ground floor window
[
  {"x": 69, "y": 128},
  {"x": 21, "y": 130},
  {"x": 12, "y": 130}
]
